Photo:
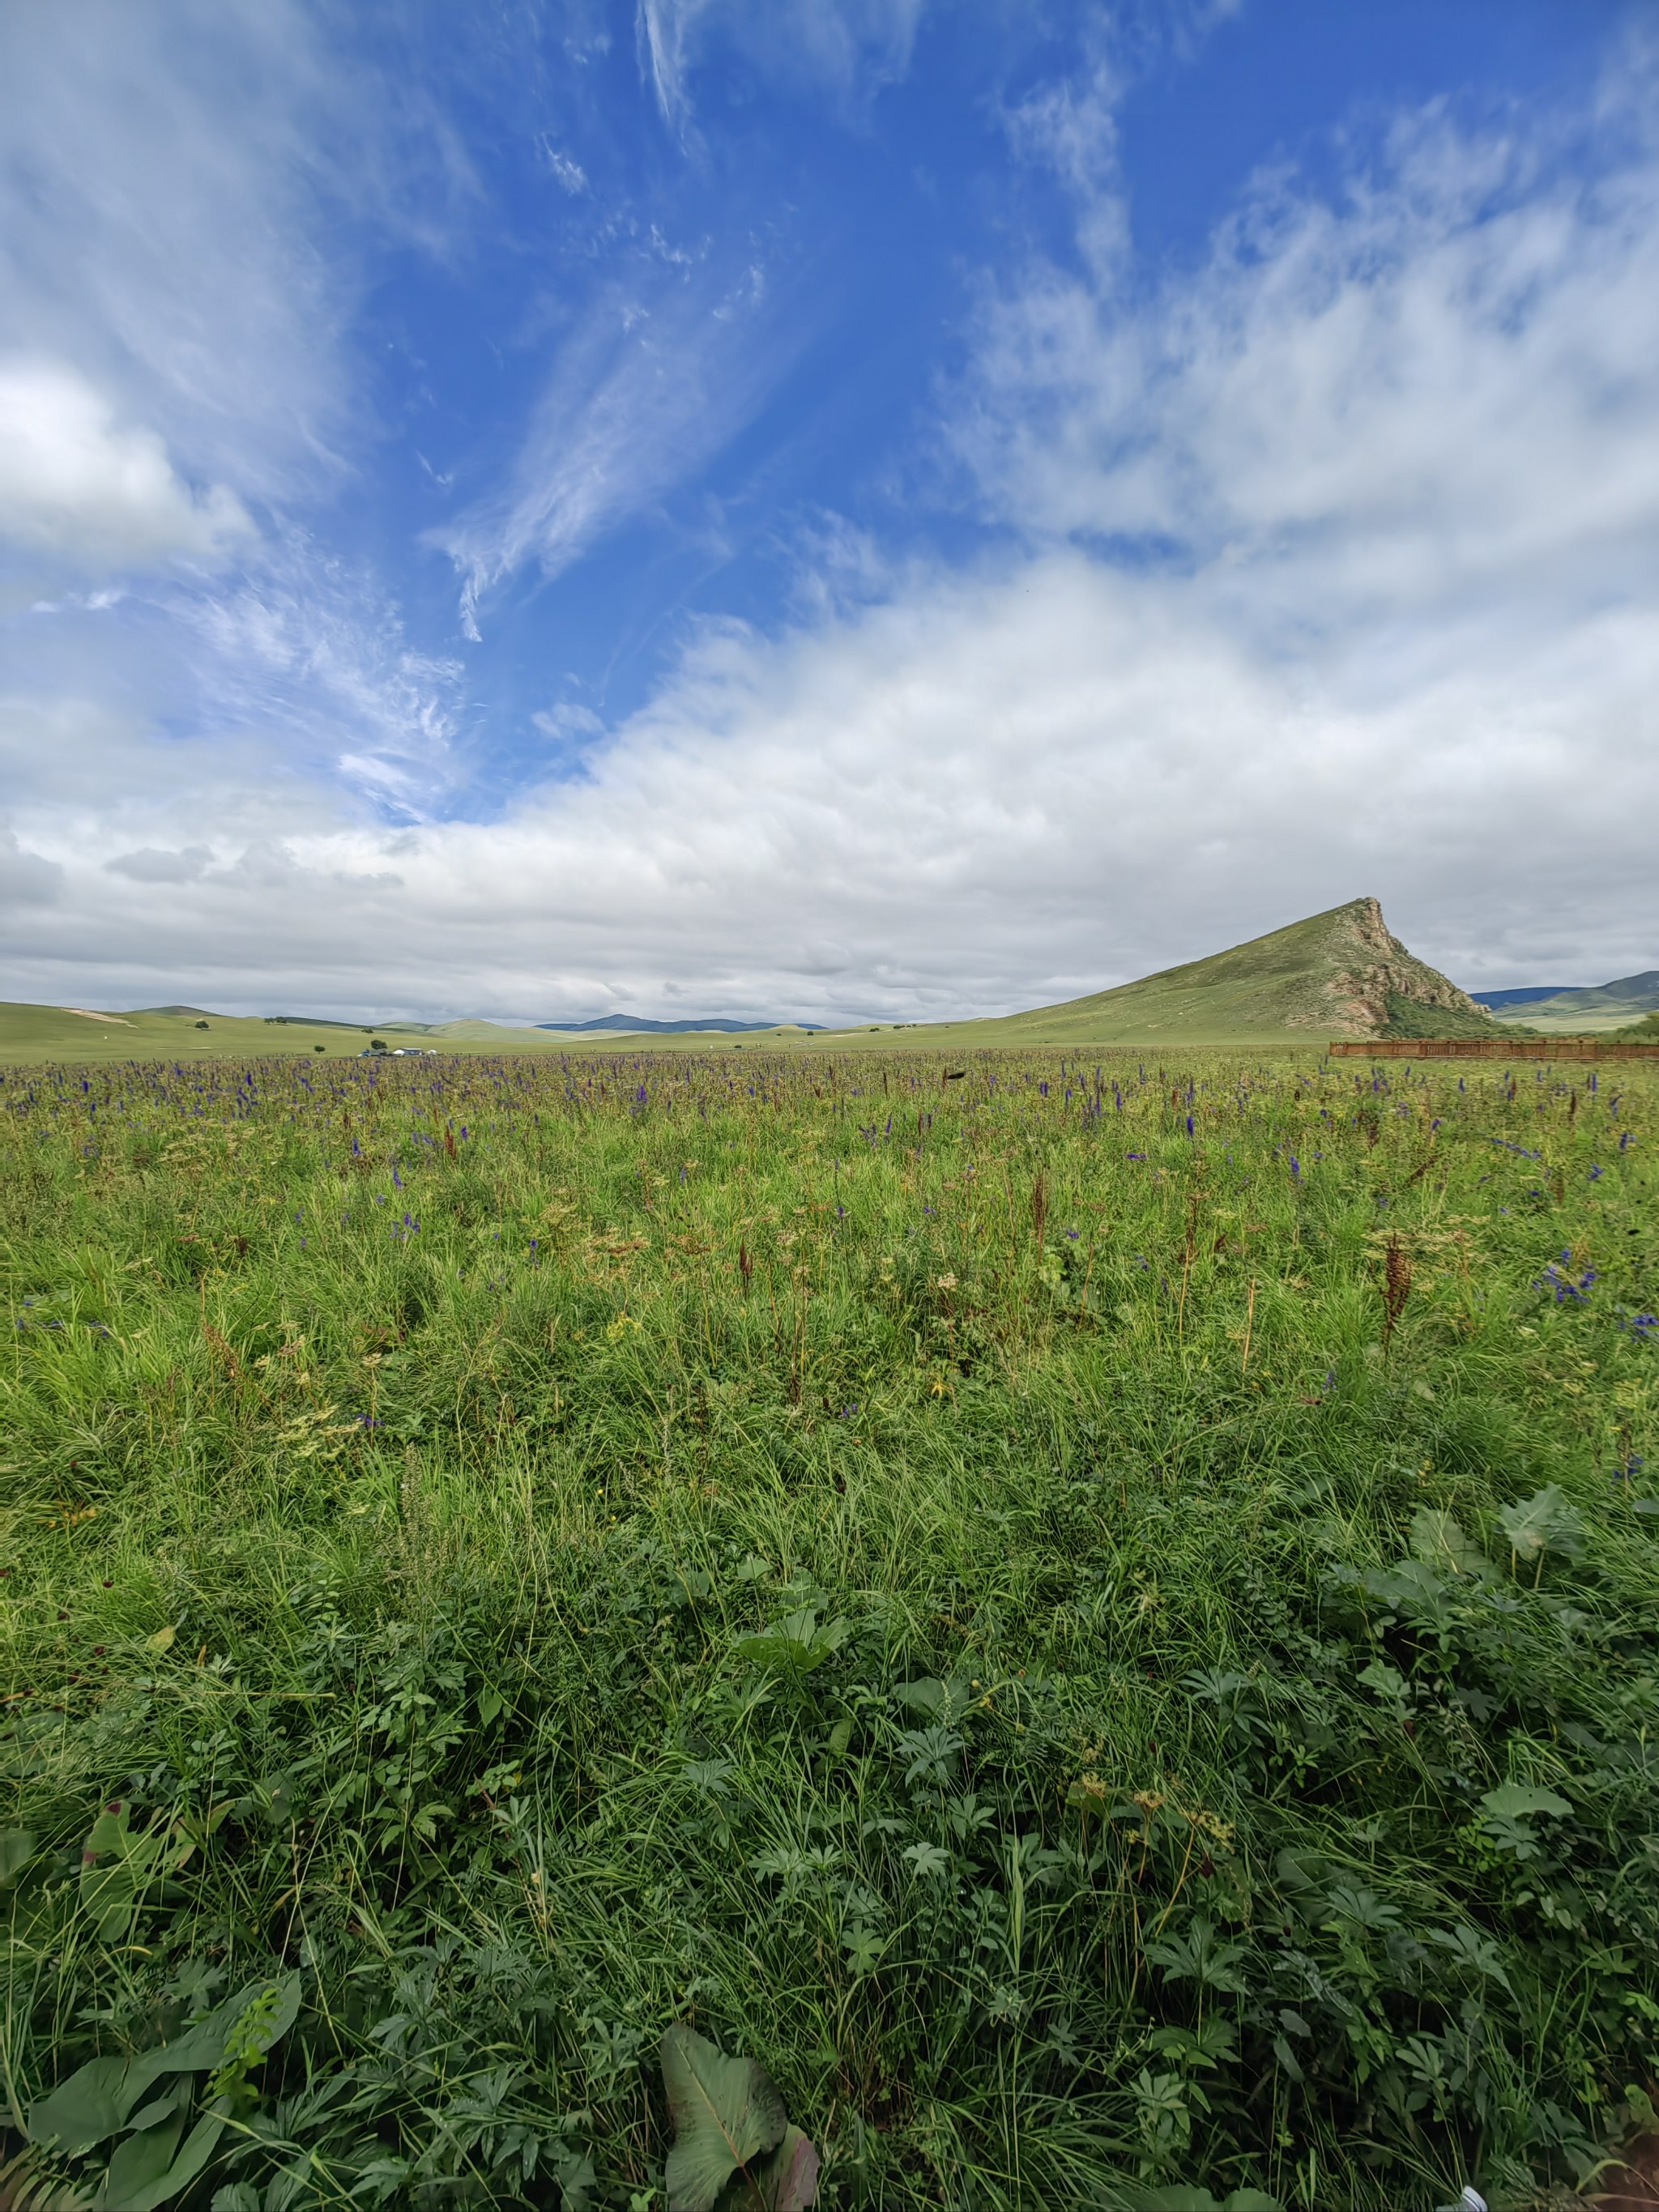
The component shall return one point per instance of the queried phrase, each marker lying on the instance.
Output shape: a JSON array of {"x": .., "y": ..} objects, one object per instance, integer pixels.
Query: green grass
[
  {"x": 36, "y": 1035},
  {"x": 955, "y": 1590}
]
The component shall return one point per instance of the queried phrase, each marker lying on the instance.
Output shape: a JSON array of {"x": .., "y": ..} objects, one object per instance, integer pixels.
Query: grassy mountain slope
[
  {"x": 1525, "y": 994},
  {"x": 29, "y": 1035},
  {"x": 1604, "y": 1007},
  {"x": 1342, "y": 973}
]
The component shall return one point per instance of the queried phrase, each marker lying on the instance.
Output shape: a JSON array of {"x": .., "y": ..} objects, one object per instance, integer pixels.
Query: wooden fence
[{"x": 1489, "y": 1048}]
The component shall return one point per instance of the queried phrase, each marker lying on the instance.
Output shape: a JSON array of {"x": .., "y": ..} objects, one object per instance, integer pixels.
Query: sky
[{"x": 819, "y": 509}]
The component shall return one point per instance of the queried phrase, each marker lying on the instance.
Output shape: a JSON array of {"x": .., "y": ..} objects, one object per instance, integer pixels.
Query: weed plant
[{"x": 1098, "y": 1618}]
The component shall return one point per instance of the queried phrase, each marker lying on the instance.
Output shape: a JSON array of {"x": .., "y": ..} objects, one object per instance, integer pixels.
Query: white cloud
[
  {"x": 1444, "y": 384},
  {"x": 26, "y": 879},
  {"x": 1003, "y": 790},
  {"x": 1329, "y": 567},
  {"x": 87, "y": 491},
  {"x": 567, "y": 171},
  {"x": 159, "y": 173},
  {"x": 641, "y": 394},
  {"x": 186, "y": 188},
  {"x": 313, "y": 655},
  {"x": 566, "y": 721},
  {"x": 844, "y": 47},
  {"x": 152, "y": 865}
]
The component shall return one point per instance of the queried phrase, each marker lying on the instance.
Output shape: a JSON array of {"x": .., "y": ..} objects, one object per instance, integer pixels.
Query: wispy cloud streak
[
  {"x": 848, "y": 48},
  {"x": 641, "y": 395}
]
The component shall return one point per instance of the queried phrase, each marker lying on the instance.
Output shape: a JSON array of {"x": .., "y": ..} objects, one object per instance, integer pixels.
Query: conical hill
[{"x": 1343, "y": 974}]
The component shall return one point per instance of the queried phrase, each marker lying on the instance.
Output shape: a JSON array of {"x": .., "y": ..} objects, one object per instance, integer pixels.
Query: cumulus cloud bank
[
  {"x": 90, "y": 493},
  {"x": 1325, "y": 566}
]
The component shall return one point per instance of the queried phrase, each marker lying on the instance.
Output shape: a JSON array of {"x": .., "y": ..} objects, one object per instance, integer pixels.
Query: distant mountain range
[
  {"x": 638, "y": 1022},
  {"x": 1528, "y": 995},
  {"x": 1341, "y": 974},
  {"x": 1589, "y": 1008}
]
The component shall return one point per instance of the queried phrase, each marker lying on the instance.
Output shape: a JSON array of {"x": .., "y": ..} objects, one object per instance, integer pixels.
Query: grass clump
[{"x": 1096, "y": 1619}]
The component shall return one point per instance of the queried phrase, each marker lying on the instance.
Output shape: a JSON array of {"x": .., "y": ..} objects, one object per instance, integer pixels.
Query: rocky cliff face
[{"x": 1369, "y": 965}]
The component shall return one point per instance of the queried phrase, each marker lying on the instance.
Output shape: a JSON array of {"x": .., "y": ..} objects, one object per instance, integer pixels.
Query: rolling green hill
[
  {"x": 1584, "y": 1013},
  {"x": 30, "y": 1035},
  {"x": 1339, "y": 973}
]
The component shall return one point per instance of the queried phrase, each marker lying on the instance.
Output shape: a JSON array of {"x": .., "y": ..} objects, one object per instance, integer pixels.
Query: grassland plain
[
  {"x": 33, "y": 1035},
  {"x": 1096, "y": 1615}
]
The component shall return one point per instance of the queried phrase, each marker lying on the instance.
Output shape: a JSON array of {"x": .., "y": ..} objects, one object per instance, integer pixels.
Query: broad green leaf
[
  {"x": 202, "y": 2047},
  {"x": 1437, "y": 1540},
  {"x": 574, "y": 2172},
  {"x": 197, "y": 2148},
  {"x": 82, "y": 2110},
  {"x": 262, "y": 2013},
  {"x": 1197, "y": 1956},
  {"x": 928, "y": 1858},
  {"x": 110, "y": 1895},
  {"x": 1184, "y": 2197},
  {"x": 1543, "y": 1523},
  {"x": 115, "y": 1867},
  {"x": 111, "y": 1832},
  {"x": 243, "y": 2196},
  {"x": 864, "y": 1948},
  {"x": 1386, "y": 1681},
  {"x": 795, "y": 1645},
  {"x": 193, "y": 2053},
  {"x": 726, "y": 2112},
  {"x": 1213, "y": 2042},
  {"x": 16, "y": 1849},
  {"x": 788, "y": 2181},
  {"x": 139, "y": 2161},
  {"x": 1515, "y": 1800},
  {"x": 162, "y": 1639},
  {"x": 1472, "y": 1949},
  {"x": 158, "y": 2109}
]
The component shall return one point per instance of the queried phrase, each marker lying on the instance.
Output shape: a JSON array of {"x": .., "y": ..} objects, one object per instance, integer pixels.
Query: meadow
[{"x": 1098, "y": 1615}]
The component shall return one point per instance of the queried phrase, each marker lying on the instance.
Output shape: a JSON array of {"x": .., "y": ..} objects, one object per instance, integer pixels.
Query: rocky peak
[{"x": 1370, "y": 966}]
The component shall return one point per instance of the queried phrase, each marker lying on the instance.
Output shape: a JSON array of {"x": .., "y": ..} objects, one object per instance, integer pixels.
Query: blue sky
[{"x": 881, "y": 508}]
